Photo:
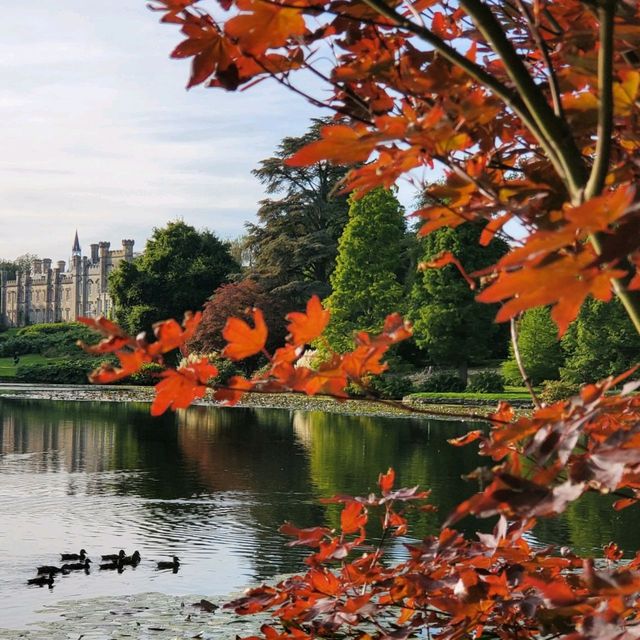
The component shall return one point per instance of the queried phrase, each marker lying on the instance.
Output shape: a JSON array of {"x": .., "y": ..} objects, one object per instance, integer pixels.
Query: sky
[{"x": 98, "y": 134}]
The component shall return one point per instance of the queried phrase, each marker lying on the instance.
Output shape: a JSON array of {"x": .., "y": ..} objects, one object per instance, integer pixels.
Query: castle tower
[{"x": 76, "y": 250}]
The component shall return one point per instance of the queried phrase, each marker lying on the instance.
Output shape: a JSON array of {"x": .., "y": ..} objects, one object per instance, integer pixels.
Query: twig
[{"x": 521, "y": 368}]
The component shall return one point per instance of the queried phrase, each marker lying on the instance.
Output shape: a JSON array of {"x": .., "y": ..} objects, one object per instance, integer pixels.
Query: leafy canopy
[{"x": 179, "y": 269}]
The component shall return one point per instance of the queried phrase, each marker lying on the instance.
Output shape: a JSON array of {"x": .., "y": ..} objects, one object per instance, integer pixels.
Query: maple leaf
[
  {"x": 353, "y": 517},
  {"x": 304, "y": 328},
  {"x": 385, "y": 481},
  {"x": 264, "y": 25},
  {"x": 243, "y": 340},
  {"x": 233, "y": 391},
  {"x": 180, "y": 387}
]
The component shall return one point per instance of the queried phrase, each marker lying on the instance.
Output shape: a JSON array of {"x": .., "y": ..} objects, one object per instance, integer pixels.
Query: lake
[{"x": 212, "y": 486}]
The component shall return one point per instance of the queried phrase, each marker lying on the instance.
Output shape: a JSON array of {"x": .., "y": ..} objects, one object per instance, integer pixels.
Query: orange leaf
[
  {"x": 353, "y": 517},
  {"x": 243, "y": 340},
  {"x": 466, "y": 439},
  {"x": 443, "y": 259},
  {"x": 340, "y": 144},
  {"x": 306, "y": 327},
  {"x": 386, "y": 481},
  {"x": 233, "y": 391},
  {"x": 264, "y": 26}
]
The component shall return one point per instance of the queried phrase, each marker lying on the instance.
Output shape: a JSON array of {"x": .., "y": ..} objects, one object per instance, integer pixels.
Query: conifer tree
[
  {"x": 449, "y": 324},
  {"x": 540, "y": 349},
  {"x": 366, "y": 284}
]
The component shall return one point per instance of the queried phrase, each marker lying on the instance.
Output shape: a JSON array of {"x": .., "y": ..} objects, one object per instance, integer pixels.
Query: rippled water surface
[{"x": 211, "y": 486}]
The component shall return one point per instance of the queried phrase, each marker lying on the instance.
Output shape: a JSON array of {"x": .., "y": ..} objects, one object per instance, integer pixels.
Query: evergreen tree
[
  {"x": 449, "y": 325},
  {"x": 293, "y": 247},
  {"x": 600, "y": 343},
  {"x": 177, "y": 272},
  {"x": 540, "y": 349},
  {"x": 366, "y": 283}
]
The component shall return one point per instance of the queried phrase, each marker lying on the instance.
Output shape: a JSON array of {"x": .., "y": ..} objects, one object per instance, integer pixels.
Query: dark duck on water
[{"x": 74, "y": 556}]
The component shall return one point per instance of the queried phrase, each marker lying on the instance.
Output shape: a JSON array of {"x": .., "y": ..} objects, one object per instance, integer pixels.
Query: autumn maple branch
[{"x": 552, "y": 132}]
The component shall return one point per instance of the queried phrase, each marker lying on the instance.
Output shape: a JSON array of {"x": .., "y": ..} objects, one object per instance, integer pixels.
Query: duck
[
  {"x": 42, "y": 580},
  {"x": 76, "y": 566},
  {"x": 47, "y": 568},
  {"x": 112, "y": 566},
  {"x": 133, "y": 559},
  {"x": 174, "y": 564},
  {"x": 74, "y": 556},
  {"x": 114, "y": 557}
]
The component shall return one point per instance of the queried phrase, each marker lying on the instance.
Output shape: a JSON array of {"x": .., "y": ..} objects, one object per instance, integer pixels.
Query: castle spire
[{"x": 76, "y": 251}]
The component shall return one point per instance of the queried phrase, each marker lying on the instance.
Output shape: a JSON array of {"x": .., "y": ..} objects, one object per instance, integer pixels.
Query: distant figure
[{"x": 16, "y": 359}]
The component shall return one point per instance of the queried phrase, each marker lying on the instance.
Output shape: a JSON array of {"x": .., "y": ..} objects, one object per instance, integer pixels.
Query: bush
[
  {"x": 148, "y": 376},
  {"x": 554, "y": 390},
  {"x": 50, "y": 340},
  {"x": 392, "y": 387},
  {"x": 64, "y": 371},
  {"x": 486, "y": 382},
  {"x": 443, "y": 381}
]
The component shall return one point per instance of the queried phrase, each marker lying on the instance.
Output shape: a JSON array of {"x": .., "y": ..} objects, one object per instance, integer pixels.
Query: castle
[{"x": 44, "y": 294}]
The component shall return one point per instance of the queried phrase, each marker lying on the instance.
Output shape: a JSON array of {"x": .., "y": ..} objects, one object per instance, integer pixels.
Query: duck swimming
[
  {"x": 42, "y": 580},
  {"x": 76, "y": 566},
  {"x": 50, "y": 569},
  {"x": 114, "y": 557},
  {"x": 174, "y": 564},
  {"x": 74, "y": 556},
  {"x": 133, "y": 559},
  {"x": 112, "y": 566}
]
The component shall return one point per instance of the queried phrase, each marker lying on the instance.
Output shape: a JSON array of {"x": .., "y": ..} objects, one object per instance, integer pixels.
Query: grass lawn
[
  {"x": 8, "y": 369},
  {"x": 510, "y": 393}
]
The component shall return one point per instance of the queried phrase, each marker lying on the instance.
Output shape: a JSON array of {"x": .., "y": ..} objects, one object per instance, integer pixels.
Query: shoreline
[
  {"x": 142, "y": 615},
  {"x": 455, "y": 410}
]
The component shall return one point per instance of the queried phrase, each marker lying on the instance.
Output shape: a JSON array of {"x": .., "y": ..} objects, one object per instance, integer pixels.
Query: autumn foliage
[{"x": 529, "y": 111}]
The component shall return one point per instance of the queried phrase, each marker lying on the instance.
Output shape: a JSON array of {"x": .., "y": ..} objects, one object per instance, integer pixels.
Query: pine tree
[
  {"x": 540, "y": 349},
  {"x": 366, "y": 283},
  {"x": 449, "y": 325}
]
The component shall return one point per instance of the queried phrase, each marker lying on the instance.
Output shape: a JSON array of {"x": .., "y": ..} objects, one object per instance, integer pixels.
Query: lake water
[{"x": 212, "y": 486}]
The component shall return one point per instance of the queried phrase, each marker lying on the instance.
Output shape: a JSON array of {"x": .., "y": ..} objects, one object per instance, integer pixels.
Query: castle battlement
[{"x": 44, "y": 294}]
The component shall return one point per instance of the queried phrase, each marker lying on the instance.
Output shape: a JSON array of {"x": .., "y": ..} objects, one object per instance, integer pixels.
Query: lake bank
[
  {"x": 440, "y": 406},
  {"x": 143, "y": 615}
]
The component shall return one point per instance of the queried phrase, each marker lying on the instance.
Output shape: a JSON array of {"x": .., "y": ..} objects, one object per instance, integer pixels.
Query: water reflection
[{"x": 212, "y": 486}]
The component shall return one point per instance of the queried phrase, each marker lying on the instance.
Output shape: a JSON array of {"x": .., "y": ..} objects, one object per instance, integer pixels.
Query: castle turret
[
  {"x": 127, "y": 246},
  {"x": 36, "y": 266},
  {"x": 61, "y": 265},
  {"x": 46, "y": 265},
  {"x": 76, "y": 250},
  {"x": 94, "y": 253}
]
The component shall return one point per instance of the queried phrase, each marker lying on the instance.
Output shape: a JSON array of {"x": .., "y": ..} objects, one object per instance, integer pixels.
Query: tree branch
[
  {"x": 555, "y": 138},
  {"x": 521, "y": 368},
  {"x": 606, "y": 14}
]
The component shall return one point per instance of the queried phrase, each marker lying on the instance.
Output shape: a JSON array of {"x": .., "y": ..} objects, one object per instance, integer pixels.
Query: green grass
[
  {"x": 8, "y": 369},
  {"x": 510, "y": 393}
]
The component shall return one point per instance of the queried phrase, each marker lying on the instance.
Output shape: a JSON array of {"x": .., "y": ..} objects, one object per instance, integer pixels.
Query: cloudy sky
[{"x": 98, "y": 133}]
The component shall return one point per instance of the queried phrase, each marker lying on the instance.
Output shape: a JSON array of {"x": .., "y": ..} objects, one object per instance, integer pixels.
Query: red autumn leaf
[
  {"x": 243, "y": 340},
  {"x": 180, "y": 387},
  {"x": 353, "y": 517},
  {"x": 233, "y": 391},
  {"x": 310, "y": 537},
  {"x": 466, "y": 439},
  {"x": 385, "y": 481},
  {"x": 304, "y": 328},
  {"x": 264, "y": 25},
  {"x": 445, "y": 258}
]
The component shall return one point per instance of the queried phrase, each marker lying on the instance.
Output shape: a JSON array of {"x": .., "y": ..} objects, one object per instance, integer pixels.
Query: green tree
[
  {"x": 178, "y": 270},
  {"x": 366, "y": 283},
  {"x": 600, "y": 343},
  {"x": 449, "y": 325},
  {"x": 540, "y": 349},
  {"x": 293, "y": 247}
]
